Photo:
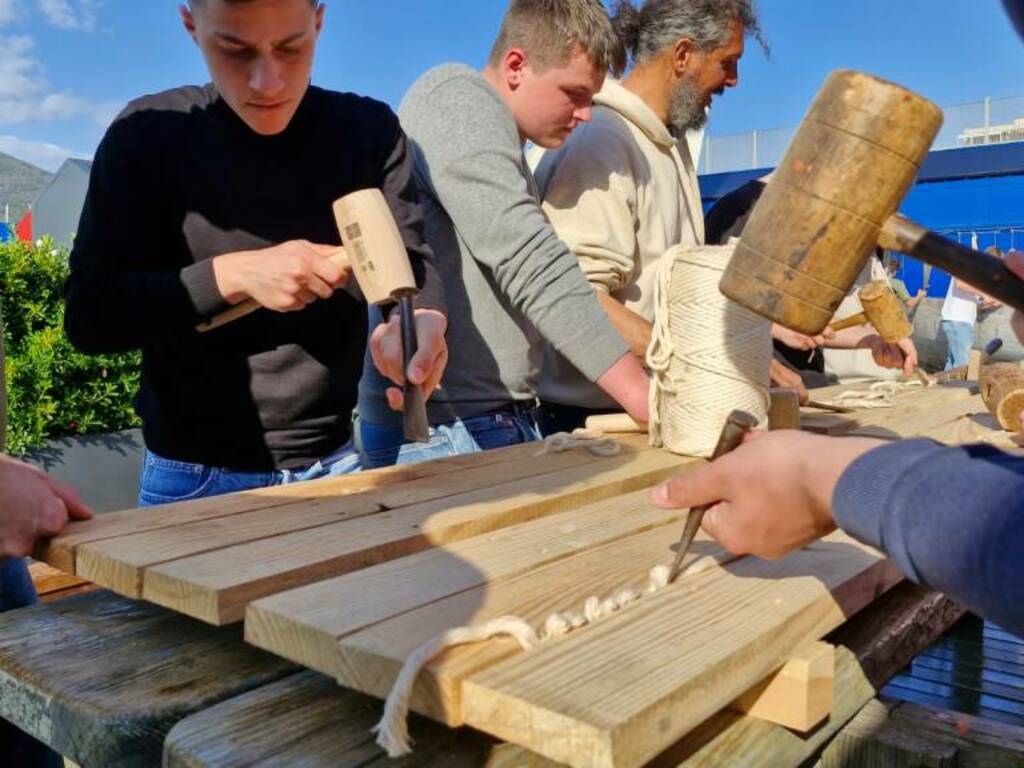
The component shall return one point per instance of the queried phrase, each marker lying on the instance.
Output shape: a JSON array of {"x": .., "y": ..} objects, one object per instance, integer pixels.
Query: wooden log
[
  {"x": 101, "y": 679},
  {"x": 305, "y": 624},
  {"x": 798, "y": 696},
  {"x": 217, "y": 586},
  {"x": 60, "y": 550},
  {"x": 783, "y": 409},
  {"x": 630, "y": 686},
  {"x": 1002, "y": 390}
]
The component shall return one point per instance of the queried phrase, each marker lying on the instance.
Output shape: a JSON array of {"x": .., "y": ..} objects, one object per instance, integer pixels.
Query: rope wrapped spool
[{"x": 708, "y": 355}]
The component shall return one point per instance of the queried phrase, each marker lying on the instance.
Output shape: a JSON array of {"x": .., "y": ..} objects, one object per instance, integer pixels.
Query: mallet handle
[
  {"x": 984, "y": 272},
  {"x": 848, "y": 322}
]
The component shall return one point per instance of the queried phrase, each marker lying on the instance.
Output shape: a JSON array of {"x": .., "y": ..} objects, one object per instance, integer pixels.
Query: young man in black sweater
[{"x": 202, "y": 197}]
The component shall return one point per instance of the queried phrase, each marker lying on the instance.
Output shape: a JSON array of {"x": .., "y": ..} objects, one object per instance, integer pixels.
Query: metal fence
[{"x": 990, "y": 121}]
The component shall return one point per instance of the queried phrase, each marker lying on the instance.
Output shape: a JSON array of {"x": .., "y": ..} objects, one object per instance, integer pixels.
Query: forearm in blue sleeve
[{"x": 951, "y": 518}]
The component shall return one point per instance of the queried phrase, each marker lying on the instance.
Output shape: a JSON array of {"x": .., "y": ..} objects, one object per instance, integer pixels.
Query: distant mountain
[{"x": 20, "y": 184}]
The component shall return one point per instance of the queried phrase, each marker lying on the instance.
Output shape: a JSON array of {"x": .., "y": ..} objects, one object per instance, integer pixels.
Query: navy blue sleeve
[{"x": 951, "y": 518}]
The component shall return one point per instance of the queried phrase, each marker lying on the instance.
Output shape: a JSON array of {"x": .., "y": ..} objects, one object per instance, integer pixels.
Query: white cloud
[
  {"x": 27, "y": 95},
  {"x": 41, "y": 153},
  {"x": 70, "y": 14},
  {"x": 8, "y": 11}
]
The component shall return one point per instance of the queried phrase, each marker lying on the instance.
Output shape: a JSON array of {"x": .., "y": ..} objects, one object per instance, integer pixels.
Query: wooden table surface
[{"x": 108, "y": 682}]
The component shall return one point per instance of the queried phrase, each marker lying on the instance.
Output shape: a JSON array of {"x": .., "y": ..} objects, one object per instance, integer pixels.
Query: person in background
[
  {"x": 511, "y": 283},
  {"x": 899, "y": 287},
  {"x": 623, "y": 188},
  {"x": 960, "y": 315}
]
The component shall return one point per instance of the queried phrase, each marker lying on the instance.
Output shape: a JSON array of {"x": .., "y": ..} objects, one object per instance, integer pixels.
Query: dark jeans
[
  {"x": 16, "y": 747},
  {"x": 555, "y": 417}
]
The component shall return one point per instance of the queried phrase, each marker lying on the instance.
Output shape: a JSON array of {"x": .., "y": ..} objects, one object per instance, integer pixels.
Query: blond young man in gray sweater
[{"x": 511, "y": 283}]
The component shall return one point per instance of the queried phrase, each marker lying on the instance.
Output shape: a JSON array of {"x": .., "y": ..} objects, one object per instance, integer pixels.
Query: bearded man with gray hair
[{"x": 623, "y": 189}]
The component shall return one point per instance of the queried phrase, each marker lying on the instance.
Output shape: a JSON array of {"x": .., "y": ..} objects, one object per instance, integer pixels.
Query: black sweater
[{"x": 179, "y": 179}]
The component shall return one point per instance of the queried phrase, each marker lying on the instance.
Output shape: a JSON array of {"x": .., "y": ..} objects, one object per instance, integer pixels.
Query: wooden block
[
  {"x": 784, "y": 409},
  {"x": 48, "y": 580},
  {"x": 307, "y": 623},
  {"x": 798, "y": 696},
  {"x": 60, "y": 550},
  {"x": 369, "y": 660},
  {"x": 102, "y": 679},
  {"x": 614, "y": 423},
  {"x": 218, "y": 585},
  {"x": 627, "y": 688}
]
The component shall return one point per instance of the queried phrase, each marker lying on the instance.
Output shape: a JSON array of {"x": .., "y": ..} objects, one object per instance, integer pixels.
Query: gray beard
[{"x": 686, "y": 109}]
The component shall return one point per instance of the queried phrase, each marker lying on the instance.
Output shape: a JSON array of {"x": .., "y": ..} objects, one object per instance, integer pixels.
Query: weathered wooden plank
[
  {"x": 60, "y": 551},
  {"x": 626, "y": 688},
  {"x": 306, "y": 623},
  {"x": 307, "y": 721},
  {"x": 798, "y": 696},
  {"x": 102, "y": 679},
  {"x": 369, "y": 660},
  {"x": 217, "y": 586},
  {"x": 120, "y": 563},
  {"x": 906, "y": 735}
]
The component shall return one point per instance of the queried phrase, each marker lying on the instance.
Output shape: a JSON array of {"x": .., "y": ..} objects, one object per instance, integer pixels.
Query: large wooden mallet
[
  {"x": 377, "y": 255},
  {"x": 833, "y": 199},
  {"x": 883, "y": 309}
]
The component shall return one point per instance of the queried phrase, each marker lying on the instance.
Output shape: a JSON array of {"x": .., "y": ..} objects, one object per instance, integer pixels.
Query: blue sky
[{"x": 67, "y": 66}]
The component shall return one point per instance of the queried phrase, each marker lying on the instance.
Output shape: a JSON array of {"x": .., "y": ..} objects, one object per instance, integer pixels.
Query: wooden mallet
[
  {"x": 883, "y": 309},
  {"x": 375, "y": 251},
  {"x": 833, "y": 199}
]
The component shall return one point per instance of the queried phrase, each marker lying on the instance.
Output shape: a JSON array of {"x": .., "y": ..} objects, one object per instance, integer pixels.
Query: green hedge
[{"x": 52, "y": 390}]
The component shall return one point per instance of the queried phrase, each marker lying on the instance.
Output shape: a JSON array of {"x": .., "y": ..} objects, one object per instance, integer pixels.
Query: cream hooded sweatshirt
[{"x": 620, "y": 192}]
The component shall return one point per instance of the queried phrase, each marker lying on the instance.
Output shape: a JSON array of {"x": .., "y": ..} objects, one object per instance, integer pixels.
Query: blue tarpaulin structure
[{"x": 974, "y": 195}]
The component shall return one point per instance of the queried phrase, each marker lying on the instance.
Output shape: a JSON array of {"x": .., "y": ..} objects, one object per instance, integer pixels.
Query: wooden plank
[
  {"x": 369, "y": 660},
  {"x": 924, "y": 400},
  {"x": 120, "y": 563},
  {"x": 798, "y": 696},
  {"x": 102, "y": 679},
  {"x": 306, "y": 623},
  {"x": 626, "y": 688},
  {"x": 217, "y": 586},
  {"x": 48, "y": 579},
  {"x": 60, "y": 551},
  {"x": 307, "y": 721},
  {"x": 870, "y": 648}
]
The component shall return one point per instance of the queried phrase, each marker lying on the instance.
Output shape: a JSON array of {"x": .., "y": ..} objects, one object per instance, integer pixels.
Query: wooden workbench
[{"x": 136, "y": 669}]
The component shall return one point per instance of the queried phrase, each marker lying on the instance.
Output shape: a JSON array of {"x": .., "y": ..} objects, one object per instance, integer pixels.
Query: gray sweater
[{"x": 510, "y": 281}]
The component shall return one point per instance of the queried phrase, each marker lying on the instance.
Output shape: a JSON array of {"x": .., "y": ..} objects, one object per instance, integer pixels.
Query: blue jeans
[
  {"x": 381, "y": 446},
  {"x": 165, "y": 480},
  {"x": 959, "y": 340}
]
